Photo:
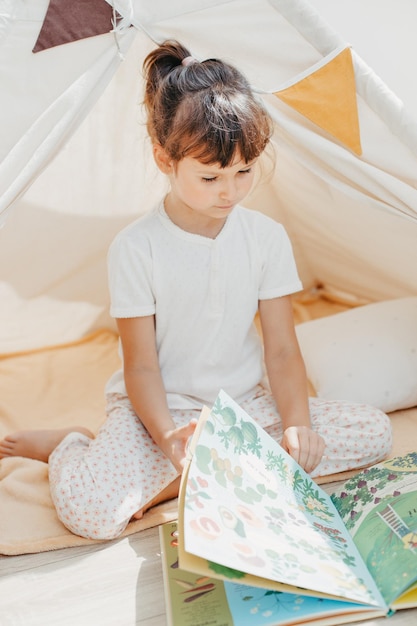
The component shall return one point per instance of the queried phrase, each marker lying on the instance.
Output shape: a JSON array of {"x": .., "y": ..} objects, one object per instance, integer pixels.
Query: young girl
[{"x": 186, "y": 281}]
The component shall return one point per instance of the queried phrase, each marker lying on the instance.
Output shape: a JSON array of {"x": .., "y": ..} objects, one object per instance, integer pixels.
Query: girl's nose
[{"x": 227, "y": 191}]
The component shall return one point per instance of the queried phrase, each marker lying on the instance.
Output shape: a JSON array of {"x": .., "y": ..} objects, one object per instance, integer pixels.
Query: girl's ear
[{"x": 162, "y": 159}]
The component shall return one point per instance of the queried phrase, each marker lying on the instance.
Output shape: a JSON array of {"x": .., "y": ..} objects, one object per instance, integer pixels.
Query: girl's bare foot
[
  {"x": 168, "y": 493},
  {"x": 37, "y": 444}
]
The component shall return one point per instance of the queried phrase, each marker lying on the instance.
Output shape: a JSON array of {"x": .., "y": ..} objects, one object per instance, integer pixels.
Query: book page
[
  {"x": 248, "y": 508},
  {"x": 379, "y": 508},
  {"x": 193, "y": 600}
]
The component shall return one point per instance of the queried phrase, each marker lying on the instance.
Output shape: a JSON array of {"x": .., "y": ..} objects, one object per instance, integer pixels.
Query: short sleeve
[
  {"x": 129, "y": 274},
  {"x": 279, "y": 275}
]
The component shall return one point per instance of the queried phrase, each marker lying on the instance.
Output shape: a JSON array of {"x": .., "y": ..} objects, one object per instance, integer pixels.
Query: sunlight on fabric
[{"x": 30, "y": 323}]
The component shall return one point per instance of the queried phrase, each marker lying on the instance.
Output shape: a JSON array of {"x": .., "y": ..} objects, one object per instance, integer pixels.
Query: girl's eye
[{"x": 214, "y": 178}]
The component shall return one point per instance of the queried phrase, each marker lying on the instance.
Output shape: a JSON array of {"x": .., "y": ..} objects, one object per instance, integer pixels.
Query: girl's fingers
[{"x": 305, "y": 446}]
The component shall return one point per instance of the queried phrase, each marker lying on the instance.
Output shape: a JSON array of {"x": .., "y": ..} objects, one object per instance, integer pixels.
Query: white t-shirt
[{"x": 204, "y": 294}]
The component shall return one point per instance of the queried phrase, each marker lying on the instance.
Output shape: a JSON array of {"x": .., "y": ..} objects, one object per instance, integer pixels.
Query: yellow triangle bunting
[{"x": 327, "y": 97}]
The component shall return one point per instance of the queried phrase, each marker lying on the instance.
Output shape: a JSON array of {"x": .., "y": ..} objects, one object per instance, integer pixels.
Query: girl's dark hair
[{"x": 206, "y": 110}]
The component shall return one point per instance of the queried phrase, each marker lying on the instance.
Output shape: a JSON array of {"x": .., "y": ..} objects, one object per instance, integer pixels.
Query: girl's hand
[
  {"x": 304, "y": 445},
  {"x": 174, "y": 444}
]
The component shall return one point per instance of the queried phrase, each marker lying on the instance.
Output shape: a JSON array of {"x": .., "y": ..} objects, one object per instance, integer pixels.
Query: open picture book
[{"x": 259, "y": 542}]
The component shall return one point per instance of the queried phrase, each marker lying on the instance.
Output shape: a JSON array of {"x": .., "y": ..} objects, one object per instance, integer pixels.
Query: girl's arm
[
  {"x": 146, "y": 390},
  {"x": 288, "y": 381}
]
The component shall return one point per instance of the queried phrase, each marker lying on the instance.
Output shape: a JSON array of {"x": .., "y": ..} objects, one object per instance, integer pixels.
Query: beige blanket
[{"x": 64, "y": 385}]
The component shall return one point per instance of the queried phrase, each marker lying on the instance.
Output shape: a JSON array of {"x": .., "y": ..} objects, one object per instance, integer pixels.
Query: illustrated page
[
  {"x": 379, "y": 508},
  {"x": 250, "y": 508}
]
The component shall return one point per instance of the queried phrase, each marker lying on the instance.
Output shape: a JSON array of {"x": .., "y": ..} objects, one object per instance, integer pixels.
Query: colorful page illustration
[
  {"x": 379, "y": 508},
  {"x": 250, "y": 509},
  {"x": 192, "y": 600}
]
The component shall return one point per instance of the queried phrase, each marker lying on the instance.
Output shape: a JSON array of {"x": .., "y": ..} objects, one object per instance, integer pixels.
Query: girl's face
[{"x": 202, "y": 193}]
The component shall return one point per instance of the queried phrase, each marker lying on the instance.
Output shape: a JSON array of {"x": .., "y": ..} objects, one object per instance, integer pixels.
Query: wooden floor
[{"x": 112, "y": 584}]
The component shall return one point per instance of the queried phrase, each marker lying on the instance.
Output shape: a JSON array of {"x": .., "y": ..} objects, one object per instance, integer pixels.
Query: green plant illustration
[
  {"x": 242, "y": 436},
  {"x": 372, "y": 485},
  {"x": 238, "y": 433}
]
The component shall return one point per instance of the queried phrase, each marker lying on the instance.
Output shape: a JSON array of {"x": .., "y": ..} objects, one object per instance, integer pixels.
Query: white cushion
[{"x": 367, "y": 354}]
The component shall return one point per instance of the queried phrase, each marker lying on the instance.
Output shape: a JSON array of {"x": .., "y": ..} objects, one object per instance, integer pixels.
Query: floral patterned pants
[{"x": 98, "y": 484}]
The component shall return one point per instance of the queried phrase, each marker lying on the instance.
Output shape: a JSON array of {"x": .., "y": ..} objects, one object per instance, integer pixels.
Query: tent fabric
[
  {"x": 382, "y": 35},
  {"x": 45, "y": 96}
]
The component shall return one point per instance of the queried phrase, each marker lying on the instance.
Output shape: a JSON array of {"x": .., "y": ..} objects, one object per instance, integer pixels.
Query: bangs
[
  {"x": 217, "y": 128},
  {"x": 221, "y": 147}
]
